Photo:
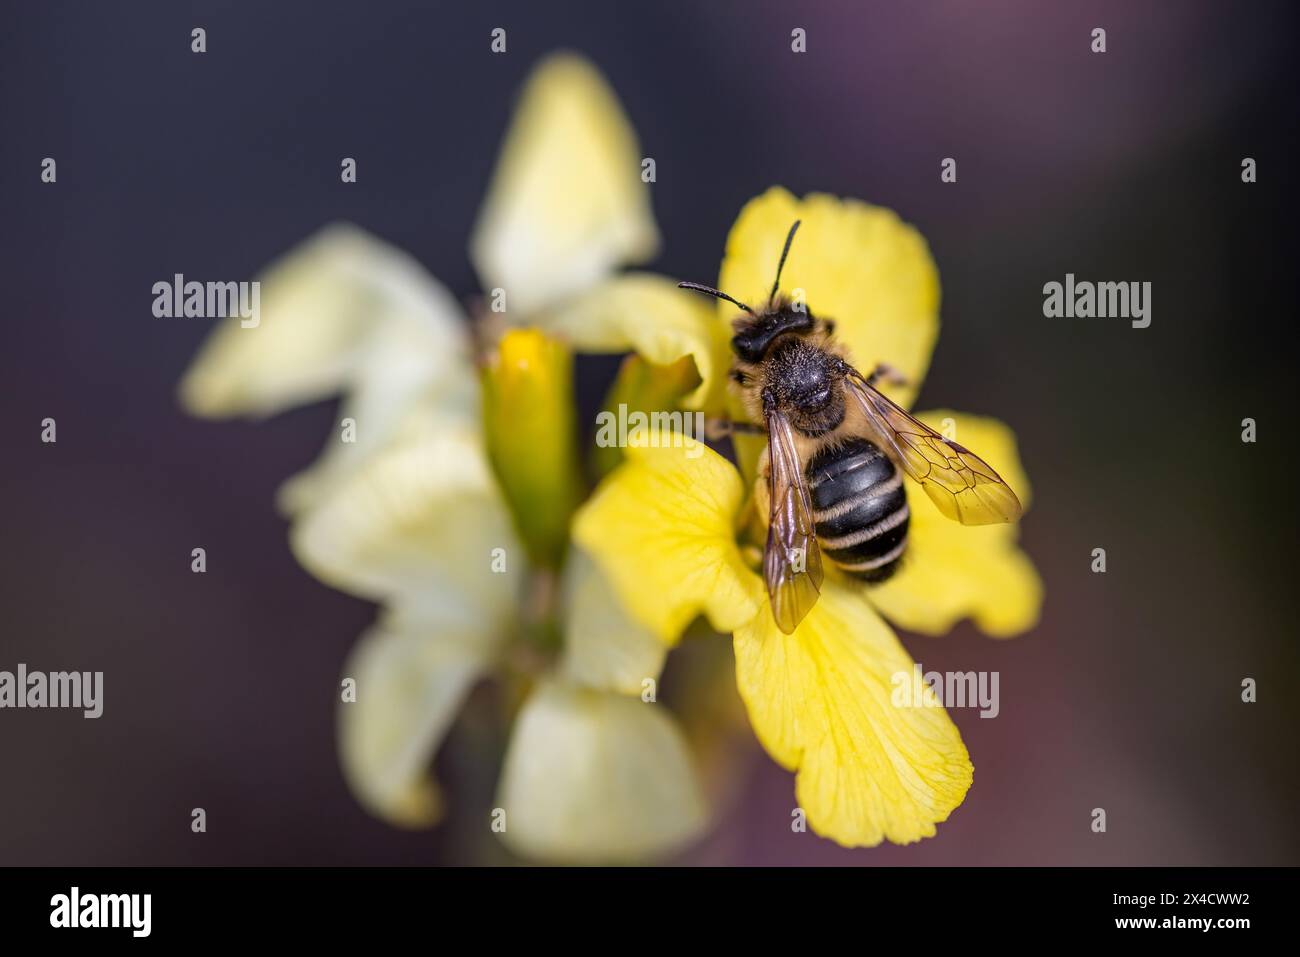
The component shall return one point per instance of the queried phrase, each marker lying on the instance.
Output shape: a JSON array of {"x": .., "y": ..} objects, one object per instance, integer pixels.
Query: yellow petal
[
  {"x": 528, "y": 415},
  {"x": 855, "y": 263},
  {"x": 603, "y": 647},
  {"x": 661, "y": 528},
  {"x": 822, "y": 703},
  {"x": 421, "y": 520},
  {"x": 332, "y": 311},
  {"x": 652, "y": 317},
  {"x": 953, "y": 571},
  {"x": 409, "y": 686},
  {"x": 594, "y": 777},
  {"x": 567, "y": 204}
]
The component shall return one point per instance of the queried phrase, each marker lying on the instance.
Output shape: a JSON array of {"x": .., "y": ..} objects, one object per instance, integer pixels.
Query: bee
[{"x": 837, "y": 451}]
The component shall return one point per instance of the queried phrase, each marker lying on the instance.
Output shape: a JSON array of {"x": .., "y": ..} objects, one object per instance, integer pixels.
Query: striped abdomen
[{"x": 859, "y": 509}]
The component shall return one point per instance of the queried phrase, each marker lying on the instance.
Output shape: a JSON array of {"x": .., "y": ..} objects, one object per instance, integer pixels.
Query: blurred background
[{"x": 221, "y": 688}]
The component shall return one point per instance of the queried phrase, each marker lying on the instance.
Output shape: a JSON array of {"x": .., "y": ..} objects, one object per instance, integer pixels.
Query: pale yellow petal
[
  {"x": 397, "y": 403},
  {"x": 339, "y": 308},
  {"x": 567, "y": 203},
  {"x": 953, "y": 571},
  {"x": 855, "y": 263},
  {"x": 595, "y": 777},
  {"x": 649, "y": 315},
  {"x": 423, "y": 518},
  {"x": 822, "y": 703},
  {"x": 661, "y": 528},
  {"x": 407, "y": 686},
  {"x": 604, "y": 647}
]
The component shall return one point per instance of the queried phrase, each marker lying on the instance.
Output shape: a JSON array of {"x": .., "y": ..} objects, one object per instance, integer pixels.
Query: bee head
[{"x": 756, "y": 334}]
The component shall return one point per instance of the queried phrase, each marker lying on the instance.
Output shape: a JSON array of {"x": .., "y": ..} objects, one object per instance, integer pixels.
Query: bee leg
[
  {"x": 887, "y": 374},
  {"x": 719, "y": 428}
]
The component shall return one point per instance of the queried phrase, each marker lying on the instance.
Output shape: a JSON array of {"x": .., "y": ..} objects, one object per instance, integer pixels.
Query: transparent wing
[
  {"x": 963, "y": 486},
  {"x": 792, "y": 562}
]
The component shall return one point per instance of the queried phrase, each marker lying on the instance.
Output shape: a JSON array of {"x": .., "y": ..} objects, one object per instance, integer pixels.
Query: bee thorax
[{"x": 804, "y": 383}]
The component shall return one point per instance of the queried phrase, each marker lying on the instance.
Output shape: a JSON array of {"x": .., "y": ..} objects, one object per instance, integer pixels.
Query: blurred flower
[
  {"x": 451, "y": 508},
  {"x": 452, "y": 500},
  {"x": 671, "y": 532}
]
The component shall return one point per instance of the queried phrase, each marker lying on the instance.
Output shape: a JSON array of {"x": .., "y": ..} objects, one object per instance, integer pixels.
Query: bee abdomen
[{"x": 859, "y": 509}]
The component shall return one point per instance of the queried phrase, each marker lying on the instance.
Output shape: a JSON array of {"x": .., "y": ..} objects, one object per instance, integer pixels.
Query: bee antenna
[
  {"x": 716, "y": 294},
  {"x": 776, "y": 283}
]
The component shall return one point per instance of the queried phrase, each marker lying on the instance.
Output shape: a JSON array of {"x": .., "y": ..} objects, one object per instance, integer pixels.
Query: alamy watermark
[
  {"x": 952, "y": 689},
  {"x": 129, "y": 911},
  {"x": 637, "y": 429},
  {"x": 208, "y": 300},
  {"x": 54, "y": 689},
  {"x": 1102, "y": 300}
]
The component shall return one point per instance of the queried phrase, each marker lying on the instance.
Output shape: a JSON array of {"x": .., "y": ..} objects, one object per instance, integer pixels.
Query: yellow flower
[
  {"x": 668, "y": 529},
  {"x": 449, "y": 503}
]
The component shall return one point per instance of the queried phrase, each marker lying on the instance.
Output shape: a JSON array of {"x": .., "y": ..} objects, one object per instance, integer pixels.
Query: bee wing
[
  {"x": 792, "y": 562},
  {"x": 963, "y": 485}
]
